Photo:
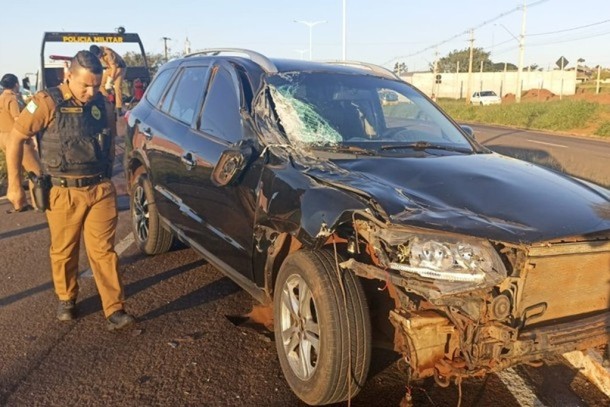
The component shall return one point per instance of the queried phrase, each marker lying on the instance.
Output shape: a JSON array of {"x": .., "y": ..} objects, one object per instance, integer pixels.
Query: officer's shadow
[{"x": 210, "y": 292}]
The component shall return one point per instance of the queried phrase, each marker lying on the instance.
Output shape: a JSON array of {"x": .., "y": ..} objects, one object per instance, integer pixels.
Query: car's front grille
[{"x": 565, "y": 280}]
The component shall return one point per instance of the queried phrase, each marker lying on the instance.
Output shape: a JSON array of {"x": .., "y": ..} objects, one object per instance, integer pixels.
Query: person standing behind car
[
  {"x": 9, "y": 106},
  {"x": 77, "y": 130},
  {"x": 9, "y": 111},
  {"x": 114, "y": 74}
]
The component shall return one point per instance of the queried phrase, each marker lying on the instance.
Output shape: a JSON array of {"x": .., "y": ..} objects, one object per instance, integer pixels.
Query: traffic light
[{"x": 438, "y": 78}]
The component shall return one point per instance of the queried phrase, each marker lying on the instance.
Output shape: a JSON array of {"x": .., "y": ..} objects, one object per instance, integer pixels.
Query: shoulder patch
[{"x": 31, "y": 107}]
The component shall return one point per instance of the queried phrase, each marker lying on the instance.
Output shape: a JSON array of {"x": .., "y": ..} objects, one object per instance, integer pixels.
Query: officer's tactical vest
[{"x": 77, "y": 143}]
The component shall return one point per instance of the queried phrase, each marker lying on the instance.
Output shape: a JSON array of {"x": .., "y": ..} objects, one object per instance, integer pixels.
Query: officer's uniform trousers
[
  {"x": 117, "y": 87},
  {"x": 92, "y": 212}
]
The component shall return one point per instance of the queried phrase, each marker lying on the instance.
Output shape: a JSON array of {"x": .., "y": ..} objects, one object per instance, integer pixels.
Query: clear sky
[{"x": 380, "y": 31}]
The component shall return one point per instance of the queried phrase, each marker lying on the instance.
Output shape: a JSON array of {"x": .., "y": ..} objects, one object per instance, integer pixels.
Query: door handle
[
  {"x": 147, "y": 133},
  {"x": 188, "y": 161}
]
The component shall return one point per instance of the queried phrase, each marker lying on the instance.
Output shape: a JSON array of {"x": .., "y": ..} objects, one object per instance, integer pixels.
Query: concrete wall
[{"x": 455, "y": 85}]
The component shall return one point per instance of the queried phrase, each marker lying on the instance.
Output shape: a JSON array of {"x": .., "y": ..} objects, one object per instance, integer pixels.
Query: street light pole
[
  {"x": 310, "y": 24},
  {"x": 343, "y": 54},
  {"x": 301, "y": 52},
  {"x": 521, "y": 49}
]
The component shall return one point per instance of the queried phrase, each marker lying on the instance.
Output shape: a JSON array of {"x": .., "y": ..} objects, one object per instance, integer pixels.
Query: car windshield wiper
[
  {"x": 349, "y": 149},
  {"x": 425, "y": 145}
]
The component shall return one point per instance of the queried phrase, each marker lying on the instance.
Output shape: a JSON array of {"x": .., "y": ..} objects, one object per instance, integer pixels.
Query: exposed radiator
[{"x": 565, "y": 280}]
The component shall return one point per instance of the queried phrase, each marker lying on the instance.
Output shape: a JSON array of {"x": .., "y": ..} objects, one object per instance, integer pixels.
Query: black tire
[
  {"x": 343, "y": 328},
  {"x": 149, "y": 234}
]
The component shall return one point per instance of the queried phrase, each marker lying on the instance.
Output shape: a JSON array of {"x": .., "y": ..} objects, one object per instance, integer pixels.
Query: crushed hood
[{"x": 485, "y": 195}]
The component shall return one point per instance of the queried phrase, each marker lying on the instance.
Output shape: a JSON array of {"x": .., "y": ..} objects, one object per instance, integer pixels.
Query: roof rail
[
  {"x": 380, "y": 70},
  {"x": 260, "y": 59}
]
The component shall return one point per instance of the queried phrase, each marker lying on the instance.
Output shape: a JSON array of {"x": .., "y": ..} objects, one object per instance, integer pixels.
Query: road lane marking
[
  {"x": 518, "y": 388},
  {"x": 590, "y": 365},
  {"x": 547, "y": 144},
  {"x": 119, "y": 249}
]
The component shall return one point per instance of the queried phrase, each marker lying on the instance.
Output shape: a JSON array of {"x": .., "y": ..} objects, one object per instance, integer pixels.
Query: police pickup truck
[{"x": 53, "y": 58}]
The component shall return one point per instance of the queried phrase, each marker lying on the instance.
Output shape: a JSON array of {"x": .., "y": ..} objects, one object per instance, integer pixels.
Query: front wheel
[
  {"x": 322, "y": 332},
  {"x": 146, "y": 226}
]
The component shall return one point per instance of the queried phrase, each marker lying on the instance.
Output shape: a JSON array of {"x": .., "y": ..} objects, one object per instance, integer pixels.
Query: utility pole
[
  {"x": 165, "y": 39},
  {"x": 343, "y": 53},
  {"x": 458, "y": 89},
  {"x": 435, "y": 86},
  {"x": 562, "y": 71},
  {"x": 469, "y": 85},
  {"x": 521, "y": 54}
]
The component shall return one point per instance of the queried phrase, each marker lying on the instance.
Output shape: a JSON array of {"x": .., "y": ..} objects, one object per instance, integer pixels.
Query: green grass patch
[
  {"x": 561, "y": 115},
  {"x": 603, "y": 129},
  {"x": 591, "y": 87}
]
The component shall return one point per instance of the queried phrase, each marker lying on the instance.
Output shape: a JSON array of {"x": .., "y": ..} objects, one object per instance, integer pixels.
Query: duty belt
[{"x": 77, "y": 182}]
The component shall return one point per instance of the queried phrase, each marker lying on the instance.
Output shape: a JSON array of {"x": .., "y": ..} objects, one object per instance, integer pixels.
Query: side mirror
[
  {"x": 230, "y": 165},
  {"x": 468, "y": 130}
]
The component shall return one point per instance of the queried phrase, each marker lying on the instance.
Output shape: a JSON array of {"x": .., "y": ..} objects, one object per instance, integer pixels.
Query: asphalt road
[
  {"x": 581, "y": 157},
  {"x": 185, "y": 349}
]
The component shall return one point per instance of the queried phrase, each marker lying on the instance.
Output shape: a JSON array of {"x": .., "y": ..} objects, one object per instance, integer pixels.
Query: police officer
[
  {"x": 114, "y": 74},
  {"x": 10, "y": 107},
  {"x": 77, "y": 128}
]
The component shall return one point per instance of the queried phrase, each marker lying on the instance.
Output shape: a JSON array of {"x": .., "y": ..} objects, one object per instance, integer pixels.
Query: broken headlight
[{"x": 461, "y": 263}]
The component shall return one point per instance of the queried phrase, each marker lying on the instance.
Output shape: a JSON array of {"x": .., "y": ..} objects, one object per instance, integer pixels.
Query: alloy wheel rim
[
  {"x": 299, "y": 327},
  {"x": 140, "y": 213}
]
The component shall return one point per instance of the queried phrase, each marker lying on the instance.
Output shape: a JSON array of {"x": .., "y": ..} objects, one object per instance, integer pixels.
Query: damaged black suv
[{"x": 355, "y": 219}]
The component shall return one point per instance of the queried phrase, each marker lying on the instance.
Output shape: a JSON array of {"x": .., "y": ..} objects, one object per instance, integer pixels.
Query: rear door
[
  {"x": 149, "y": 133},
  {"x": 174, "y": 170}
]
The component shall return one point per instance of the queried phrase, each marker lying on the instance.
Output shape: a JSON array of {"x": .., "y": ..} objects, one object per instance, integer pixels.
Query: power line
[
  {"x": 569, "y": 29},
  {"x": 501, "y": 51},
  {"x": 484, "y": 23},
  {"x": 571, "y": 40}
]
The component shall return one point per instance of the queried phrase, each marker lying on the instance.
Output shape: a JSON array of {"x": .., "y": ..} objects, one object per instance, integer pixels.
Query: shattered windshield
[{"x": 329, "y": 110}]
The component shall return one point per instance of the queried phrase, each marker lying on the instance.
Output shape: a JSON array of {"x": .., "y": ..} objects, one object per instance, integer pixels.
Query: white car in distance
[{"x": 485, "y": 97}]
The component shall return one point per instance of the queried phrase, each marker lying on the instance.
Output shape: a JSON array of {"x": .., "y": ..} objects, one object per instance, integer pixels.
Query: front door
[{"x": 226, "y": 212}]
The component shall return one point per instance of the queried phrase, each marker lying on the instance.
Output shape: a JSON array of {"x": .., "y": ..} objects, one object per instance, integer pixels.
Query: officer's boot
[
  {"x": 66, "y": 310},
  {"x": 119, "y": 320}
]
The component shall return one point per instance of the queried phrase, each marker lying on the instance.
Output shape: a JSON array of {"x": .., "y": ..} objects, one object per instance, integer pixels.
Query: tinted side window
[
  {"x": 169, "y": 95},
  {"x": 188, "y": 92},
  {"x": 221, "y": 116},
  {"x": 155, "y": 90}
]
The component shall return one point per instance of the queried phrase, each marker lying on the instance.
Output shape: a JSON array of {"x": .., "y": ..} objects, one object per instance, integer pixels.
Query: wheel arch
[
  {"x": 283, "y": 244},
  {"x": 134, "y": 166}
]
